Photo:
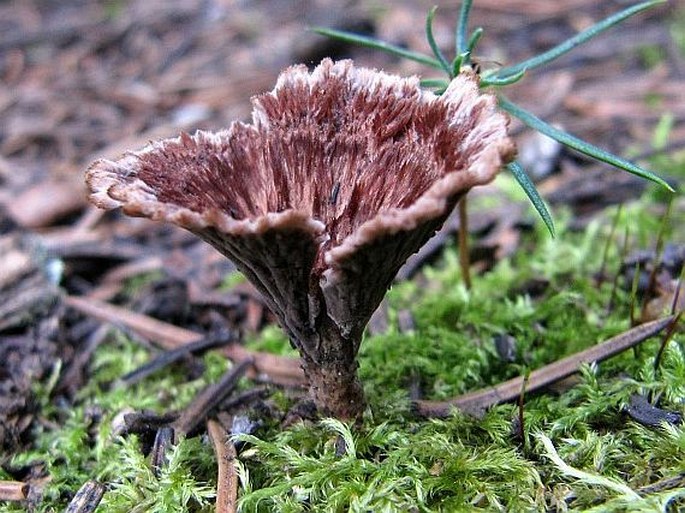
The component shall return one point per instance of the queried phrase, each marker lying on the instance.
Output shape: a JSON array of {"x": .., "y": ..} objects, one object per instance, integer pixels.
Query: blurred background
[{"x": 85, "y": 79}]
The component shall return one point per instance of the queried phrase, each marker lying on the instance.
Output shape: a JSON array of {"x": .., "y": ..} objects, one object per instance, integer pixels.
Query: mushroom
[{"x": 342, "y": 174}]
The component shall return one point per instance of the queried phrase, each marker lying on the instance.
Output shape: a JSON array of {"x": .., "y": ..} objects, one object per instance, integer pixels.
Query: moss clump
[
  {"x": 579, "y": 449},
  {"x": 75, "y": 443},
  {"x": 399, "y": 463}
]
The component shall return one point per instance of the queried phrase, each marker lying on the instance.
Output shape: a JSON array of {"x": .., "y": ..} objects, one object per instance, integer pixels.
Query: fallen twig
[
  {"x": 281, "y": 370},
  {"x": 227, "y": 479},
  {"x": 13, "y": 490},
  {"x": 209, "y": 399},
  {"x": 169, "y": 357},
  {"x": 476, "y": 402},
  {"x": 74, "y": 375},
  {"x": 666, "y": 339},
  {"x": 141, "y": 422},
  {"x": 246, "y": 398},
  {"x": 665, "y": 484}
]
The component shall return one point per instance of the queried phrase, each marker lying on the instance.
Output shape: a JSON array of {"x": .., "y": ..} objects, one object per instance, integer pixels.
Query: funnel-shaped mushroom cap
[{"x": 343, "y": 173}]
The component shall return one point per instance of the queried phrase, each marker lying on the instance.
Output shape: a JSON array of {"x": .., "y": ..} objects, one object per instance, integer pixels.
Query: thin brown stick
[
  {"x": 245, "y": 398},
  {"x": 478, "y": 401},
  {"x": 609, "y": 242},
  {"x": 666, "y": 339},
  {"x": 13, "y": 490},
  {"x": 658, "y": 255},
  {"x": 278, "y": 369},
  {"x": 464, "y": 257},
  {"x": 676, "y": 294},
  {"x": 208, "y": 399},
  {"x": 165, "y": 335},
  {"x": 73, "y": 377},
  {"x": 227, "y": 478},
  {"x": 212, "y": 341},
  {"x": 521, "y": 407}
]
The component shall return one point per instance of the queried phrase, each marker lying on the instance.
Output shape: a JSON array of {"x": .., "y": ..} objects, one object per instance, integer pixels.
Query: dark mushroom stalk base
[{"x": 343, "y": 173}]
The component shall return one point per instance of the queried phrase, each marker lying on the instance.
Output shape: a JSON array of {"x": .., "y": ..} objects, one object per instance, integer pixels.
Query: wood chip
[
  {"x": 164, "y": 440},
  {"x": 13, "y": 490},
  {"x": 47, "y": 202},
  {"x": 87, "y": 498}
]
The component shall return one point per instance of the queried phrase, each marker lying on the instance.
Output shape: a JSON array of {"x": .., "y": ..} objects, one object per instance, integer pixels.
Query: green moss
[
  {"x": 395, "y": 461},
  {"x": 678, "y": 29},
  {"x": 651, "y": 55},
  {"x": 76, "y": 443},
  {"x": 184, "y": 483},
  {"x": 271, "y": 340},
  {"x": 232, "y": 279},
  {"x": 385, "y": 469}
]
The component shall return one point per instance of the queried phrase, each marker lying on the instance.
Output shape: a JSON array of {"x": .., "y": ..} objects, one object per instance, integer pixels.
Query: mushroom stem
[
  {"x": 332, "y": 373},
  {"x": 336, "y": 389}
]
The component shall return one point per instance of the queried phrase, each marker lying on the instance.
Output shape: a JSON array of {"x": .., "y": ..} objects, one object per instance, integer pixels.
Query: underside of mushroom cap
[{"x": 343, "y": 173}]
